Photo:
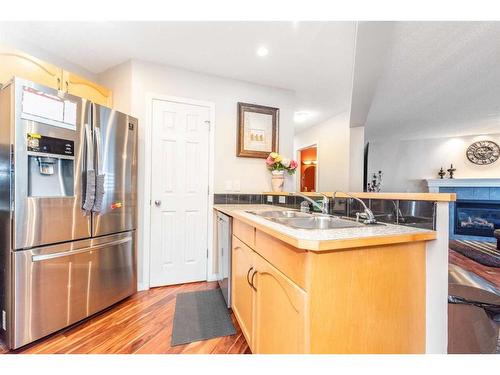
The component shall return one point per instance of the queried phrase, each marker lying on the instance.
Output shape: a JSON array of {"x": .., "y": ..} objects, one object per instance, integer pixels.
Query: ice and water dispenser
[
  {"x": 51, "y": 159},
  {"x": 50, "y": 166}
]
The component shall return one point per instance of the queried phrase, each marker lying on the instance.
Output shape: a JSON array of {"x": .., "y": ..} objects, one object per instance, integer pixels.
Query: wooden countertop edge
[
  {"x": 434, "y": 197},
  {"x": 340, "y": 244}
]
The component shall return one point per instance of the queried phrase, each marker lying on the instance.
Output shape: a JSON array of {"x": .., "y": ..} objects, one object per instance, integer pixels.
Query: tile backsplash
[
  {"x": 419, "y": 214},
  {"x": 238, "y": 198}
]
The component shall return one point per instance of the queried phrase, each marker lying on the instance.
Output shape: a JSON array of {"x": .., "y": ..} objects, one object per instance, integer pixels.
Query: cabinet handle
[
  {"x": 67, "y": 86},
  {"x": 248, "y": 276},
  {"x": 59, "y": 84},
  {"x": 251, "y": 281}
]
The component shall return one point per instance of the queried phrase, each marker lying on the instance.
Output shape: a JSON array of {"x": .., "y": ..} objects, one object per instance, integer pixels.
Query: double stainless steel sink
[{"x": 303, "y": 220}]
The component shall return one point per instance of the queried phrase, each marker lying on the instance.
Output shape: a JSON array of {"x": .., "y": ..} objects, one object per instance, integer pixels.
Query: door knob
[{"x": 157, "y": 203}]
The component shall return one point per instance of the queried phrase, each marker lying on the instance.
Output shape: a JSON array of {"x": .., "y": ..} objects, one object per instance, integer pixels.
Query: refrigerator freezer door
[
  {"x": 113, "y": 273},
  {"x": 56, "y": 286},
  {"x": 115, "y": 137},
  {"x": 47, "y": 130}
]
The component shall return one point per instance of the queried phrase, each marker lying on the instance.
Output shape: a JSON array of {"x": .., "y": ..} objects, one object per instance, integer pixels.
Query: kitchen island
[{"x": 347, "y": 290}]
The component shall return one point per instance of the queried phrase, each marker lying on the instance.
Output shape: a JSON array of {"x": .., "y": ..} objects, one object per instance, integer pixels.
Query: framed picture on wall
[{"x": 257, "y": 130}]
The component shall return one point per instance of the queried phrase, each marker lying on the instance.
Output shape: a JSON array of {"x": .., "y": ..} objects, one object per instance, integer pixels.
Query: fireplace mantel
[{"x": 435, "y": 184}]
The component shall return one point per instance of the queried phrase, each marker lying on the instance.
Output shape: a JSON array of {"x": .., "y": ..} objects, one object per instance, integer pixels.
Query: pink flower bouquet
[{"x": 276, "y": 162}]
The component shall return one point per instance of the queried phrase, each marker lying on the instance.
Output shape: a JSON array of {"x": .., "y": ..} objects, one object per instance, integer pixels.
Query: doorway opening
[{"x": 308, "y": 168}]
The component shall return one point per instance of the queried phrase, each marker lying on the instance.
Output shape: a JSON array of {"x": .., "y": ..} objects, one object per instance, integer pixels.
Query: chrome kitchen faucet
[{"x": 367, "y": 215}]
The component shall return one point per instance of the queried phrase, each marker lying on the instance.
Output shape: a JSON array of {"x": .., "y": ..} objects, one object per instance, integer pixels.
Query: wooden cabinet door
[
  {"x": 20, "y": 64},
  {"x": 242, "y": 294},
  {"x": 280, "y": 312},
  {"x": 79, "y": 86}
]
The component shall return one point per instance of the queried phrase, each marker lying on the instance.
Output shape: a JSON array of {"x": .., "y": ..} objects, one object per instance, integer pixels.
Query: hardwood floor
[{"x": 139, "y": 324}]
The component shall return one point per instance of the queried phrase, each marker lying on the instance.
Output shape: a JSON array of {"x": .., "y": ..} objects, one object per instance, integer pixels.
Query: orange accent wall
[{"x": 308, "y": 180}]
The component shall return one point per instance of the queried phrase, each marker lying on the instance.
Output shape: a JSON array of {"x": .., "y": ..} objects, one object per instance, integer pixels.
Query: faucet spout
[
  {"x": 367, "y": 215},
  {"x": 323, "y": 207}
]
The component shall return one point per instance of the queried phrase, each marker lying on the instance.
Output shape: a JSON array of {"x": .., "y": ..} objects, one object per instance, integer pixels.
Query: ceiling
[
  {"x": 438, "y": 79},
  {"x": 400, "y": 79},
  {"x": 314, "y": 59}
]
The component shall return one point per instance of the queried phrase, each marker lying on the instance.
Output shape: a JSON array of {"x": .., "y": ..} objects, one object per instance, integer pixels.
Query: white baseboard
[
  {"x": 141, "y": 286},
  {"x": 212, "y": 277}
]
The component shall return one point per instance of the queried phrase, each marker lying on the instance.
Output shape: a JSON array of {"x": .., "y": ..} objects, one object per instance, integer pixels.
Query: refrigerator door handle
[
  {"x": 42, "y": 257},
  {"x": 97, "y": 133},
  {"x": 89, "y": 199},
  {"x": 90, "y": 148},
  {"x": 99, "y": 176}
]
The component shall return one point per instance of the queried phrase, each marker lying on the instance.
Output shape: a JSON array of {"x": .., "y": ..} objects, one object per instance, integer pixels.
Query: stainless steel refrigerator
[{"x": 68, "y": 201}]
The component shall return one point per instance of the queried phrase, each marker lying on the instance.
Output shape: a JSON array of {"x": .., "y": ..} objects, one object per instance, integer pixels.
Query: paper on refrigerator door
[
  {"x": 39, "y": 104},
  {"x": 69, "y": 112},
  {"x": 50, "y": 109}
]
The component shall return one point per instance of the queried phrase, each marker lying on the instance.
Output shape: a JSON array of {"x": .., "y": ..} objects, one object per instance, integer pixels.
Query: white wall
[
  {"x": 356, "y": 157},
  {"x": 133, "y": 81},
  {"x": 333, "y": 140},
  {"x": 119, "y": 80},
  {"x": 407, "y": 163},
  {"x": 225, "y": 93}
]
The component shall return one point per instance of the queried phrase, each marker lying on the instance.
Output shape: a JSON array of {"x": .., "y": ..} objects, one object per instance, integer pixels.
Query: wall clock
[{"x": 483, "y": 152}]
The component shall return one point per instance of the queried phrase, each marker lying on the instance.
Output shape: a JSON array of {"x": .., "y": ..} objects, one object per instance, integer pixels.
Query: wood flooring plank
[
  {"x": 89, "y": 330},
  {"x": 141, "y": 324},
  {"x": 239, "y": 346},
  {"x": 122, "y": 339},
  {"x": 225, "y": 343}
]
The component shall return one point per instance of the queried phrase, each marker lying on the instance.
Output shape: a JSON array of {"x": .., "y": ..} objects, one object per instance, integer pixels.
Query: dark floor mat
[
  {"x": 485, "y": 253},
  {"x": 200, "y": 316}
]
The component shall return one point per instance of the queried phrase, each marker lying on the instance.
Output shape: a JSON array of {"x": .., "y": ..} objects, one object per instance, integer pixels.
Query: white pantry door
[{"x": 179, "y": 193}]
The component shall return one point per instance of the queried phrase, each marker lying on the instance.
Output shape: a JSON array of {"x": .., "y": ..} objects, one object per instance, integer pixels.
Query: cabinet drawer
[
  {"x": 245, "y": 232},
  {"x": 286, "y": 258}
]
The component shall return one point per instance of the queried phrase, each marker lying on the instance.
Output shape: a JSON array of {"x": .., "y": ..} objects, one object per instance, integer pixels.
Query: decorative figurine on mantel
[
  {"x": 375, "y": 184},
  {"x": 451, "y": 171},
  {"x": 441, "y": 173}
]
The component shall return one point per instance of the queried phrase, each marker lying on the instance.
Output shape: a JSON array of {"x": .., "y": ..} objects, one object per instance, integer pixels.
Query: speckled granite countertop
[{"x": 325, "y": 239}]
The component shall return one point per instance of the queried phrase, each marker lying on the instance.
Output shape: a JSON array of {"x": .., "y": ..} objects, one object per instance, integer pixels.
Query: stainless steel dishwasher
[{"x": 224, "y": 234}]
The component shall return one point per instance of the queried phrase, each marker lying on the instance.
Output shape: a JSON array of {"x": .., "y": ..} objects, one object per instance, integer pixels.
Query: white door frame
[
  {"x": 297, "y": 153},
  {"x": 148, "y": 140}
]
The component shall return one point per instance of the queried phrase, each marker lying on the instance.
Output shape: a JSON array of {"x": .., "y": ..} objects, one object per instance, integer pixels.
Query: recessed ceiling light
[
  {"x": 301, "y": 116},
  {"x": 262, "y": 51}
]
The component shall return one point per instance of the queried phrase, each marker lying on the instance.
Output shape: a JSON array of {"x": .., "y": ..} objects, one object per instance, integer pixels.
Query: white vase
[{"x": 277, "y": 180}]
